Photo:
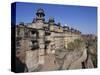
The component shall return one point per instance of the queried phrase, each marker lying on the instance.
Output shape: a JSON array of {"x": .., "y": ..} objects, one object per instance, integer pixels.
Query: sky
[{"x": 83, "y": 18}]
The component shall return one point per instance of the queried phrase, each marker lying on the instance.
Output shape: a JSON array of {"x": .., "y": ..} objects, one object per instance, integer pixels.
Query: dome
[
  {"x": 40, "y": 11},
  {"x": 51, "y": 19}
]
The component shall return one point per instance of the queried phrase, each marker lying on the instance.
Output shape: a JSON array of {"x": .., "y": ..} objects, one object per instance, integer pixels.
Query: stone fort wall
[{"x": 40, "y": 37}]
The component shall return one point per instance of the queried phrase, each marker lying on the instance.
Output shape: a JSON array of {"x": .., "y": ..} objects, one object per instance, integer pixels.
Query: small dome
[
  {"x": 21, "y": 23},
  {"x": 59, "y": 23},
  {"x": 40, "y": 10},
  {"x": 66, "y": 27},
  {"x": 75, "y": 30},
  {"x": 51, "y": 19}
]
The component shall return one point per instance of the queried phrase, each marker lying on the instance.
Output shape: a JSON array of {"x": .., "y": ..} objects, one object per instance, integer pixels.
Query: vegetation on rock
[
  {"x": 77, "y": 45},
  {"x": 92, "y": 48}
]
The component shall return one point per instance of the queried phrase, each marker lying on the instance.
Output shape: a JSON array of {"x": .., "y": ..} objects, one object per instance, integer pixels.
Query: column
[{"x": 41, "y": 46}]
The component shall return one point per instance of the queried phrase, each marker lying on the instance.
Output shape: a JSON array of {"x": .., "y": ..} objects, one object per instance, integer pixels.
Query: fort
[{"x": 40, "y": 38}]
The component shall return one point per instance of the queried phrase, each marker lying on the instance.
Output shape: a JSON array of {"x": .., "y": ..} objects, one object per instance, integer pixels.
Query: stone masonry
[{"x": 39, "y": 38}]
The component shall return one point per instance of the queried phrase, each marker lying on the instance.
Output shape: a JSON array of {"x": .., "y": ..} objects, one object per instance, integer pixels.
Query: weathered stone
[
  {"x": 32, "y": 60},
  {"x": 43, "y": 48}
]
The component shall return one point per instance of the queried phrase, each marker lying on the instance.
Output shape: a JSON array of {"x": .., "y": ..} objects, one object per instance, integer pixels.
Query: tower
[
  {"x": 40, "y": 15},
  {"x": 51, "y": 21},
  {"x": 41, "y": 33}
]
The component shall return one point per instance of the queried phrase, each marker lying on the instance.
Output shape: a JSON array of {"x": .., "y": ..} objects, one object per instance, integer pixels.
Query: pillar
[{"x": 41, "y": 46}]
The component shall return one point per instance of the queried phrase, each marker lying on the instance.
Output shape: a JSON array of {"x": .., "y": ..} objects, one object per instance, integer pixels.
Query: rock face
[
  {"x": 88, "y": 62},
  {"x": 32, "y": 60},
  {"x": 74, "y": 60},
  {"x": 78, "y": 63},
  {"x": 50, "y": 64},
  {"x": 66, "y": 61}
]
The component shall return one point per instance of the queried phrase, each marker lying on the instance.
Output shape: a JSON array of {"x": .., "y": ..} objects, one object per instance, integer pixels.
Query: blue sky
[{"x": 81, "y": 17}]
